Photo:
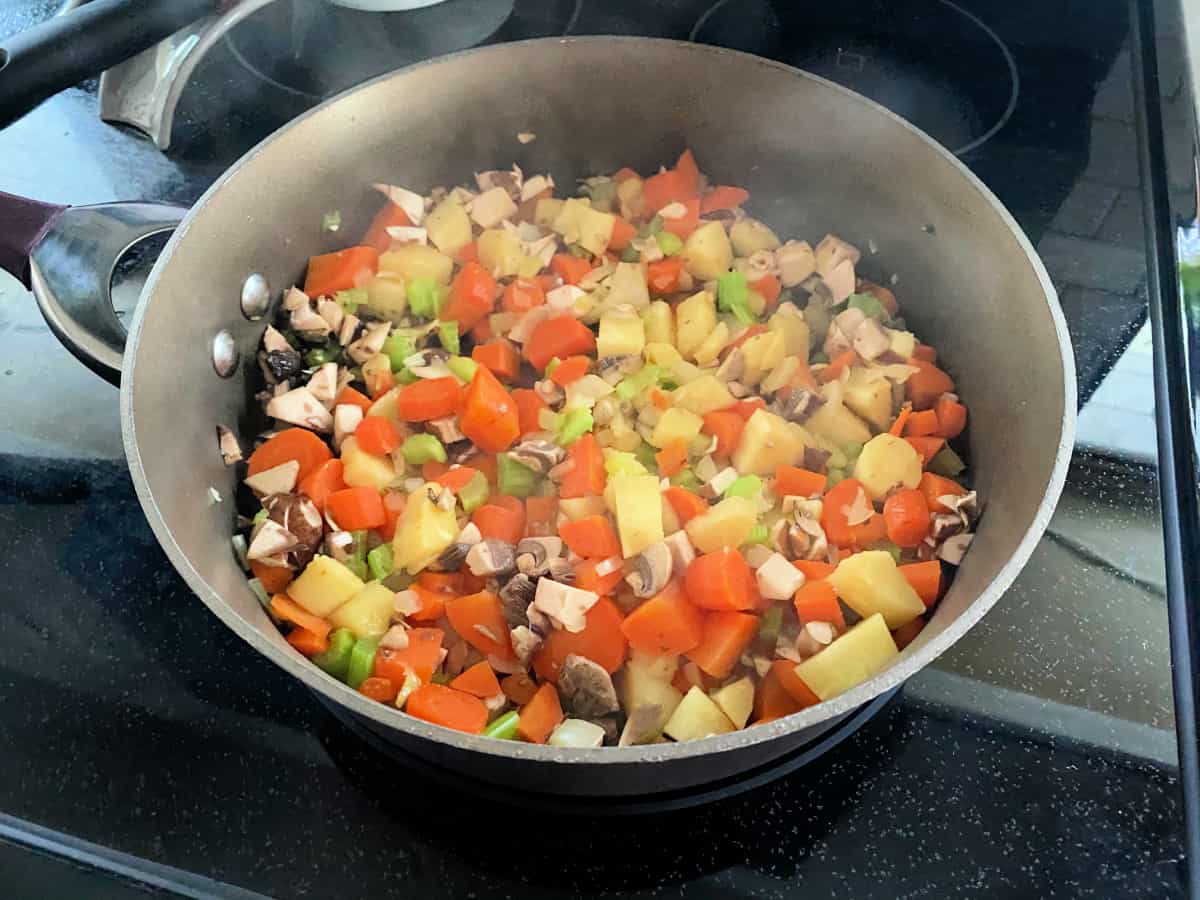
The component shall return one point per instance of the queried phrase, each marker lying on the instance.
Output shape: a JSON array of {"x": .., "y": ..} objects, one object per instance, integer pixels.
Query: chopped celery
[
  {"x": 260, "y": 592},
  {"x": 474, "y": 493},
  {"x": 259, "y": 516},
  {"x": 653, "y": 227},
  {"x": 645, "y": 455},
  {"x": 622, "y": 462},
  {"x": 552, "y": 365},
  {"x": 837, "y": 459},
  {"x": 733, "y": 296},
  {"x": 769, "y": 625},
  {"x": 448, "y": 335},
  {"x": 572, "y": 425},
  {"x": 629, "y": 254},
  {"x": 336, "y": 660},
  {"x": 758, "y": 535},
  {"x": 362, "y": 661},
  {"x": 319, "y": 356},
  {"x": 404, "y": 376},
  {"x": 948, "y": 463},
  {"x": 423, "y": 448},
  {"x": 818, "y": 317},
  {"x": 379, "y": 561},
  {"x": 637, "y": 382},
  {"x": 852, "y": 450},
  {"x": 833, "y": 476},
  {"x": 360, "y": 549},
  {"x": 399, "y": 346},
  {"x": 869, "y": 304},
  {"x": 398, "y": 581},
  {"x": 578, "y": 251},
  {"x": 463, "y": 368},
  {"x": 668, "y": 243},
  {"x": 358, "y": 567},
  {"x": 602, "y": 191},
  {"x": 505, "y": 727},
  {"x": 425, "y": 298},
  {"x": 351, "y": 300},
  {"x": 748, "y": 486},
  {"x": 889, "y": 547},
  {"x": 331, "y": 221},
  {"x": 687, "y": 480},
  {"x": 514, "y": 478}
]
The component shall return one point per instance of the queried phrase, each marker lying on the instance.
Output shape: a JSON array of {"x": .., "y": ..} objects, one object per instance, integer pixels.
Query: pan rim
[{"x": 388, "y": 717}]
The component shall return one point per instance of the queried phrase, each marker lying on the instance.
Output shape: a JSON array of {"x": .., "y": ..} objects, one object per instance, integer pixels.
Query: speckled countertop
[{"x": 1035, "y": 760}]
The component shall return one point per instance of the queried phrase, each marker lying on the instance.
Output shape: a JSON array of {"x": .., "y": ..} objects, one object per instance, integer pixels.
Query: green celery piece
[
  {"x": 552, "y": 365},
  {"x": 448, "y": 335},
  {"x": 818, "y": 317},
  {"x": 573, "y": 425},
  {"x": 833, "y": 476},
  {"x": 463, "y": 368},
  {"x": 259, "y": 516},
  {"x": 637, "y": 382},
  {"x": 404, "y": 376},
  {"x": 669, "y": 244},
  {"x": 351, "y": 300},
  {"x": 336, "y": 660},
  {"x": 514, "y": 478},
  {"x": 505, "y": 727},
  {"x": 653, "y": 227},
  {"x": 474, "y": 493},
  {"x": 319, "y": 356},
  {"x": 852, "y": 450},
  {"x": 362, "y": 661},
  {"x": 260, "y": 592},
  {"x": 622, "y": 462},
  {"x": 686, "y": 479},
  {"x": 645, "y": 455},
  {"x": 747, "y": 486},
  {"x": 869, "y": 304},
  {"x": 732, "y": 288},
  {"x": 837, "y": 459},
  {"x": 423, "y": 448},
  {"x": 358, "y": 567},
  {"x": 379, "y": 561},
  {"x": 769, "y": 625},
  {"x": 758, "y": 535},
  {"x": 602, "y": 191},
  {"x": 399, "y": 346},
  {"x": 889, "y": 547},
  {"x": 629, "y": 254},
  {"x": 578, "y": 251},
  {"x": 947, "y": 463},
  {"x": 331, "y": 221},
  {"x": 425, "y": 298}
]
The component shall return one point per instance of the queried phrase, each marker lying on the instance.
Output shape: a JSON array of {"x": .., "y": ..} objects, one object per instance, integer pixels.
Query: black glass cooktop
[{"x": 144, "y": 747}]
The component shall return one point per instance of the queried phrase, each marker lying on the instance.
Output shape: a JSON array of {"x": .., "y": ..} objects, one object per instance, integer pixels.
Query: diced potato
[
  {"x": 736, "y": 700},
  {"x": 410, "y": 261},
  {"x": 761, "y": 354},
  {"x": 638, "y": 504},
  {"x": 869, "y": 398},
  {"x": 387, "y": 296},
  {"x": 702, "y": 395},
  {"x": 697, "y": 716},
  {"x": 870, "y": 582},
  {"x": 425, "y": 530},
  {"x": 857, "y": 656},
  {"x": 675, "y": 424},
  {"x": 707, "y": 252},
  {"x": 834, "y": 422},
  {"x": 368, "y": 613},
  {"x": 567, "y": 222},
  {"x": 791, "y": 323},
  {"x": 781, "y": 375},
  {"x": 685, "y": 373},
  {"x": 707, "y": 353},
  {"x": 385, "y": 406},
  {"x": 671, "y": 523},
  {"x": 660, "y": 323},
  {"x": 661, "y": 667},
  {"x": 500, "y": 252},
  {"x": 362, "y": 469},
  {"x": 529, "y": 266},
  {"x": 547, "y": 210},
  {"x": 750, "y": 235},
  {"x": 595, "y": 231},
  {"x": 695, "y": 318},
  {"x": 904, "y": 343},
  {"x": 628, "y": 286},
  {"x": 727, "y": 524},
  {"x": 448, "y": 226},
  {"x": 767, "y": 441},
  {"x": 621, "y": 333},
  {"x": 641, "y": 685},
  {"x": 660, "y": 354},
  {"x": 887, "y": 462},
  {"x": 576, "y": 508},
  {"x": 324, "y": 585}
]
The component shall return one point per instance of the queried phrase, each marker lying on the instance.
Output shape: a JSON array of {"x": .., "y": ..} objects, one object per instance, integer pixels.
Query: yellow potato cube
[
  {"x": 362, "y": 469},
  {"x": 448, "y": 226},
  {"x": 660, "y": 323},
  {"x": 387, "y": 296},
  {"x": 736, "y": 700},
  {"x": 727, "y": 524},
  {"x": 368, "y": 613},
  {"x": 702, "y": 394},
  {"x": 425, "y": 530},
  {"x": 622, "y": 333},
  {"x": 767, "y": 441},
  {"x": 871, "y": 583},
  {"x": 707, "y": 253},
  {"x": 748, "y": 236},
  {"x": 857, "y": 656},
  {"x": 500, "y": 252},
  {"x": 695, "y": 318},
  {"x": 324, "y": 585},
  {"x": 675, "y": 424},
  {"x": 409, "y": 261},
  {"x": 887, "y": 462},
  {"x": 697, "y": 716},
  {"x": 638, "y": 503}
]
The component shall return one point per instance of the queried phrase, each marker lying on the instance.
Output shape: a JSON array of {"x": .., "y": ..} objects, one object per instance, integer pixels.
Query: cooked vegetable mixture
[{"x": 615, "y": 468}]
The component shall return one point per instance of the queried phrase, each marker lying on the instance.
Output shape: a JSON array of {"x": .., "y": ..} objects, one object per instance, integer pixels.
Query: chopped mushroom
[
  {"x": 408, "y": 234},
  {"x": 795, "y": 261},
  {"x": 524, "y": 643},
  {"x": 452, "y": 558},
  {"x": 946, "y": 525},
  {"x": 652, "y": 570},
  {"x": 682, "y": 552},
  {"x": 282, "y": 364},
  {"x": 535, "y": 555},
  {"x": 586, "y": 687},
  {"x": 294, "y": 299},
  {"x": 815, "y": 459},
  {"x": 718, "y": 483},
  {"x": 270, "y": 539},
  {"x": 349, "y": 329},
  {"x": 539, "y": 455},
  {"x": 346, "y": 419},
  {"x": 299, "y": 515},
  {"x": 870, "y": 340},
  {"x": 563, "y": 605},
  {"x": 534, "y": 185},
  {"x": 446, "y": 429},
  {"x": 412, "y": 203},
  {"x": 733, "y": 366},
  {"x": 231, "y": 450},
  {"x": 370, "y": 343},
  {"x": 300, "y": 407},
  {"x": 778, "y": 579},
  {"x": 323, "y": 384},
  {"x": 331, "y": 311},
  {"x": 395, "y": 638},
  {"x": 515, "y": 597},
  {"x": 757, "y": 555},
  {"x": 311, "y": 325},
  {"x": 510, "y": 180},
  {"x": 492, "y": 207},
  {"x": 813, "y": 638},
  {"x": 274, "y": 341},
  {"x": 641, "y": 725},
  {"x": 339, "y": 545},
  {"x": 491, "y": 557},
  {"x": 279, "y": 479},
  {"x": 429, "y": 363},
  {"x": 955, "y": 548}
]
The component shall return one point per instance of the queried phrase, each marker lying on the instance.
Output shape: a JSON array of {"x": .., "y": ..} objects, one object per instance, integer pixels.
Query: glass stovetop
[{"x": 1035, "y": 759}]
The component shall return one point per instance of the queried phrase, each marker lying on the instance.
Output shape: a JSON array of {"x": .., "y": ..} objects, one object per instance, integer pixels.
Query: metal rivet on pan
[
  {"x": 256, "y": 296},
  {"x": 224, "y": 353}
]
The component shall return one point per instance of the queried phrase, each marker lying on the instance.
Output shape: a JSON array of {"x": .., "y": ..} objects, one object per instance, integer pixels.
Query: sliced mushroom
[
  {"x": 814, "y": 637},
  {"x": 411, "y": 202},
  {"x": 563, "y": 605},
  {"x": 331, "y": 311},
  {"x": 641, "y": 725},
  {"x": 492, "y": 207},
  {"x": 613, "y": 368},
  {"x": 651, "y": 570},
  {"x": 231, "y": 450},
  {"x": 306, "y": 321},
  {"x": 795, "y": 261},
  {"x": 515, "y": 597},
  {"x": 446, "y": 429},
  {"x": 339, "y": 545},
  {"x": 294, "y": 299},
  {"x": 270, "y": 539},
  {"x": 524, "y": 643},
  {"x": 586, "y": 687},
  {"x": 283, "y": 364},
  {"x": 299, "y": 407},
  {"x": 282, "y": 478},
  {"x": 682, "y": 552},
  {"x": 955, "y": 548},
  {"x": 778, "y": 579},
  {"x": 815, "y": 459},
  {"x": 370, "y": 343},
  {"x": 349, "y": 330},
  {"x": 535, "y": 554},
  {"x": 732, "y": 367},
  {"x": 946, "y": 525},
  {"x": 966, "y": 506},
  {"x": 300, "y": 516},
  {"x": 346, "y": 419},
  {"x": 870, "y": 340},
  {"x": 491, "y": 557},
  {"x": 323, "y": 384},
  {"x": 539, "y": 455}
]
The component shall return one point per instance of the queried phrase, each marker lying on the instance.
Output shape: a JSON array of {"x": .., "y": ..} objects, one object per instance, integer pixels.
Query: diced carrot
[
  {"x": 382, "y": 689},
  {"x": 570, "y": 370},
  {"x": 926, "y": 384},
  {"x": 586, "y": 477},
  {"x": 570, "y": 269},
  {"x": 601, "y": 641},
  {"x": 478, "y": 681},
  {"x": 723, "y": 197},
  {"x": 927, "y": 447},
  {"x": 422, "y": 656},
  {"x": 662, "y": 275},
  {"x": 935, "y": 486},
  {"x": 519, "y": 688},
  {"x": 540, "y": 716},
  {"x": 926, "y": 580},
  {"x": 308, "y": 642},
  {"x": 457, "y": 479},
  {"x": 379, "y": 382},
  {"x": 666, "y": 623},
  {"x": 432, "y": 470},
  {"x": 623, "y": 174},
  {"x": 472, "y": 296},
  {"x": 298, "y": 444},
  {"x": 393, "y": 508},
  {"x": 836, "y": 366},
  {"x": 499, "y": 356},
  {"x": 591, "y": 536},
  {"x": 672, "y": 458},
  {"x": 562, "y": 337},
  {"x": 951, "y": 417},
  {"x": 925, "y": 353},
  {"x": 377, "y": 435},
  {"x": 686, "y": 504},
  {"x": 479, "y": 621},
  {"x": 486, "y": 463},
  {"x": 323, "y": 481},
  {"x": 482, "y": 332},
  {"x": 921, "y": 424},
  {"x": 391, "y": 216},
  {"x": 522, "y": 295},
  {"x": 771, "y": 701},
  {"x": 816, "y": 601},
  {"x": 901, "y": 420},
  {"x": 749, "y": 332},
  {"x": 290, "y": 611},
  {"x": 836, "y": 522},
  {"x": 429, "y": 398},
  {"x": 814, "y": 569},
  {"x": 529, "y": 407},
  {"x": 447, "y": 707},
  {"x": 587, "y": 579},
  {"x": 906, "y": 515},
  {"x": 769, "y": 288},
  {"x": 356, "y": 508},
  {"x": 803, "y": 378},
  {"x": 341, "y": 271},
  {"x": 467, "y": 253},
  {"x": 622, "y": 234},
  {"x": 747, "y": 408},
  {"x": 660, "y": 399},
  {"x": 442, "y": 582},
  {"x": 667, "y": 187},
  {"x": 499, "y": 523},
  {"x": 785, "y": 671},
  {"x": 726, "y": 426},
  {"x": 687, "y": 169},
  {"x": 724, "y": 634},
  {"x": 683, "y": 226},
  {"x": 350, "y": 396},
  {"x": 792, "y": 481},
  {"x": 906, "y": 633},
  {"x": 721, "y": 580},
  {"x": 274, "y": 579},
  {"x": 489, "y": 415},
  {"x": 541, "y": 516}
]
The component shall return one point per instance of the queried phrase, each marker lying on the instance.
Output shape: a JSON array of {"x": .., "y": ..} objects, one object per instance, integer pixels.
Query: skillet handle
[{"x": 67, "y": 256}]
